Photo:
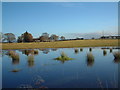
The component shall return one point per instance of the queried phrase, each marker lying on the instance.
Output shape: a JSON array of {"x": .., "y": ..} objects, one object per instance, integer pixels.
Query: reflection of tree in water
[
  {"x": 54, "y": 49},
  {"x": 15, "y": 56},
  {"x": 45, "y": 50},
  {"x": 36, "y": 81},
  {"x": 116, "y": 60},
  {"x": 31, "y": 60},
  {"x": 28, "y": 52}
]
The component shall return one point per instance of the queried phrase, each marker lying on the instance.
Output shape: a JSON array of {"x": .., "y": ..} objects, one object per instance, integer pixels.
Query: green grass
[
  {"x": 61, "y": 44},
  {"x": 63, "y": 57}
]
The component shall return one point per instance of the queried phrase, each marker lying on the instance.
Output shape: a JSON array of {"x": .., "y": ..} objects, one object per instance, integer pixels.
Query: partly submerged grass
[
  {"x": 63, "y": 57},
  {"x": 62, "y": 44},
  {"x": 104, "y": 52},
  {"x": 110, "y": 50},
  {"x": 81, "y": 49},
  {"x": 13, "y": 55},
  {"x": 15, "y": 70},
  {"x": 116, "y": 55},
  {"x": 90, "y": 49},
  {"x": 90, "y": 57},
  {"x": 76, "y": 50}
]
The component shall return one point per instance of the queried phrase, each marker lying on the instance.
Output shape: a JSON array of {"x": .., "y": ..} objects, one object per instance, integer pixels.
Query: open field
[{"x": 61, "y": 44}]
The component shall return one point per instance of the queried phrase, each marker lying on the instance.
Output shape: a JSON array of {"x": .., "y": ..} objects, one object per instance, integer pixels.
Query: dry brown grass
[{"x": 61, "y": 44}]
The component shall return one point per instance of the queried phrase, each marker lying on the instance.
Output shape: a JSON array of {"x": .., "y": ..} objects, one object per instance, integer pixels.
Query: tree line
[{"x": 27, "y": 37}]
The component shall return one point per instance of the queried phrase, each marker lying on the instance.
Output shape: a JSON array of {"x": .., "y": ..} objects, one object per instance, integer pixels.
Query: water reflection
[
  {"x": 90, "y": 49},
  {"x": 116, "y": 60},
  {"x": 31, "y": 51},
  {"x": 54, "y": 49},
  {"x": 45, "y": 50},
  {"x": 81, "y": 49},
  {"x": 76, "y": 51},
  {"x": 104, "y": 52},
  {"x": 46, "y": 67},
  {"x": 31, "y": 60},
  {"x": 15, "y": 56},
  {"x": 90, "y": 59}
]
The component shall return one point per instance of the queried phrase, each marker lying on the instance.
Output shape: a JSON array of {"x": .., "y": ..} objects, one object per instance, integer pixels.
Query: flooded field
[{"x": 38, "y": 68}]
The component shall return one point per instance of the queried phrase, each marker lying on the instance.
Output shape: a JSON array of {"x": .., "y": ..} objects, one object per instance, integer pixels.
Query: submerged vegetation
[
  {"x": 31, "y": 60},
  {"x": 13, "y": 55},
  {"x": 90, "y": 57},
  {"x": 81, "y": 49},
  {"x": 76, "y": 50},
  {"x": 63, "y": 57},
  {"x": 116, "y": 55},
  {"x": 90, "y": 49},
  {"x": 110, "y": 50},
  {"x": 104, "y": 52},
  {"x": 15, "y": 70}
]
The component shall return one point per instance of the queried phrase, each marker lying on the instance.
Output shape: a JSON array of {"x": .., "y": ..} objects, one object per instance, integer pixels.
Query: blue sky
[{"x": 67, "y": 18}]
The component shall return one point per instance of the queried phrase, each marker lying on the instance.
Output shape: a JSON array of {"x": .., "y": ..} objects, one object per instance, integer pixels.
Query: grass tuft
[
  {"x": 63, "y": 57},
  {"x": 104, "y": 52},
  {"x": 76, "y": 50},
  {"x": 110, "y": 50},
  {"x": 81, "y": 49},
  {"x": 116, "y": 55},
  {"x": 90, "y": 49},
  {"x": 90, "y": 57},
  {"x": 15, "y": 70}
]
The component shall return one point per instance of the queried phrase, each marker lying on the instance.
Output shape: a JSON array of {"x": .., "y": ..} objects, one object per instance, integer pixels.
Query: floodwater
[{"x": 36, "y": 68}]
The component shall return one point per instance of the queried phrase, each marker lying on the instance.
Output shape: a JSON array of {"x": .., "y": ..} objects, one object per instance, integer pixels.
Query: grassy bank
[{"x": 61, "y": 44}]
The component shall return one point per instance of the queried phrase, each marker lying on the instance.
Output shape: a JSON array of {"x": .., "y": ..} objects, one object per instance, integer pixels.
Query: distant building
[{"x": 110, "y": 37}]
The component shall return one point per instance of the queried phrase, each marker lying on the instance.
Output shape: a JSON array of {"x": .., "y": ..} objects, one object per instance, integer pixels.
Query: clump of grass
[
  {"x": 90, "y": 57},
  {"x": 90, "y": 49},
  {"x": 31, "y": 60},
  {"x": 36, "y": 52},
  {"x": 110, "y": 50},
  {"x": 81, "y": 49},
  {"x": 13, "y": 55},
  {"x": 104, "y": 52},
  {"x": 76, "y": 50},
  {"x": 116, "y": 55},
  {"x": 63, "y": 57},
  {"x": 15, "y": 70}
]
